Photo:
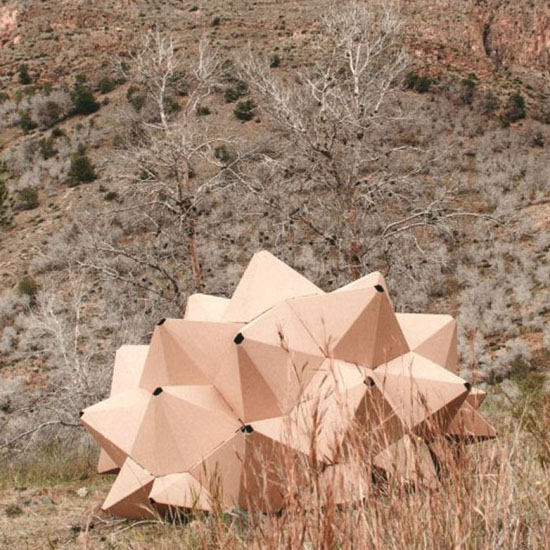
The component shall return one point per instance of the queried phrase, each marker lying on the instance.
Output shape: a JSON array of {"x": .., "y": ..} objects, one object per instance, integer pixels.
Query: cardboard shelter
[{"x": 228, "y": 404}]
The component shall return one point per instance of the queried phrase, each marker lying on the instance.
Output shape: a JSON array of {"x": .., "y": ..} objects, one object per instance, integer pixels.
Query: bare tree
[
  {"x": 77, "y": 371},
  {"x": 344, "y": 172},
  {"x": 169, "y": 162}
]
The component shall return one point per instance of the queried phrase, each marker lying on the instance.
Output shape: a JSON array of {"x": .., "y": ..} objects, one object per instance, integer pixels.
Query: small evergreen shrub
[
  {"x": 26, "y": 122},
  {"x": 202, "y": 110},
  {"x": 418, "y": 83},
  {"x": 50, "y": 114},
  {"x": 47, "y": 147},
  {"x": 275, "y": 61},
  {"x": 489, "y": 103},
  {"x": 106, "y": 84},
  {"x": 245, "y": 110},
  {"x": 57, "y": 132},
  {"x": 5, "y": 198},
  {"x": 171, "y": 106},
  {"x": 222, "y": 153},
  {"x": 240, "y": 89},
  {"x": 111, "y": 196},
  {"x": 515, "y": 109},
  {"x": 467, "y": 94},
  {"x": 82, "y": 169},
  {"x": 23, "y": 73},
  {"x": 27, "y": 198},
  {"x": 136, "y": 98},
  {"x": 27, "y": 287},
  {"x": 84, "y": 102}
]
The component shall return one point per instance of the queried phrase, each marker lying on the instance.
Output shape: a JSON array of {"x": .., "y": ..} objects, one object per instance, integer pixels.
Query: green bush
[
  {"x": 240, "y": 89},
  {"x": 50, "y": 114},
  {"x": 467, "y": 94},
  {"x": 136, "y": 98},
  {"x": 489, "y": 103},
  {"x": 26, "y": 122},
  {"x": 5, "y": 198},
  {"x": 111, "y": 196},
  {"x": 203, "y": 110},
  {"x": 84, "y": 102},
  {"x": 24, "y": 76},
  {"x": 58, "y": 132},
  {"x": 28, "y": 198},
  {"x": 82, "y": 169},
  {"x": 27, "y": 287},
  {"x": 515, "y": 109},
  {"x": 275, "y": 61},
  {"x": 171, "y": 106},
  {"x": 418, "y": 83},
  {"x": 222, "y": 153},
  {"x": 47, "y": 147},
  {"x": 106, "y": 84},
  {"x": 245, "y": 110}
]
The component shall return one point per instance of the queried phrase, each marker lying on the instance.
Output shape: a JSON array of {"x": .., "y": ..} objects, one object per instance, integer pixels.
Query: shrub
[
  {"x": 82, "y": 169},
  {"x": 106, "y": 84},
  {"x": 216, "y": 21},
  {"x": 235, "y": 92},
  {"x": 275, "y": 61},
  {"x": 26, "y": 122},
  {"x": 468, "y": 90},
  {"x": 202, "y": 110},
  {"x": 418, "y": 83},
  {"x": 27, "y": 287},
  {"x": 84, "y": 102},
  {"x": 489, "y": 103},
  {"x": 222, "y": 153},
  {"x": 515, "y": 109},
  {"x": 49, "y": 114},
  {"x": 24, "y": 76},
  {"x": 111, "y": 196},
  {"x": 136, "y": 98},
  {"x": 28, "y": 198},
  {"x": 537, "y": 139},
  {"x": 47, "y": 147},
  {"x": 5, "y": 198},
  {"x": 171, "y": 106},
  {"x": 245, "y": 110}
]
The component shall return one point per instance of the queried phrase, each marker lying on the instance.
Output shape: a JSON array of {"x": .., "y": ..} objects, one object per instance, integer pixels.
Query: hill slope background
[{"x": 116, "y": 202}]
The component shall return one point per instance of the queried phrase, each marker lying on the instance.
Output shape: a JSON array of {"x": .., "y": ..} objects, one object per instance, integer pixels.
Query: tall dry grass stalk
[
  {"x": 493, "y": 496},
  {"x": 488, "y": 495}
]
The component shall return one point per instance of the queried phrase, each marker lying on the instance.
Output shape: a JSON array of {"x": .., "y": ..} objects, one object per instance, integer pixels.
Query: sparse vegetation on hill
[{"x": 409, "y": 142}]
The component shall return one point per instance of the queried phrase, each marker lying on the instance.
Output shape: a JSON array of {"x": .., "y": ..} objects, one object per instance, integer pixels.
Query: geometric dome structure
[{"x": 201, "y": 417}]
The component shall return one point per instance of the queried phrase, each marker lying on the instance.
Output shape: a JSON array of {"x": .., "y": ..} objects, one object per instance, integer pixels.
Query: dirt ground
[{"x": 64, "y": 516}]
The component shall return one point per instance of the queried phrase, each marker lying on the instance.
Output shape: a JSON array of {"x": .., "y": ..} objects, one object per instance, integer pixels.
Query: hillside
[{"x": 148, "y": 148}]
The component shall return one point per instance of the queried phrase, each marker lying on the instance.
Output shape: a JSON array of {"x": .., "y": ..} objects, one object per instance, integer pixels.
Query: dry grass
[
  {"x": 496, "y": 495},
  {"x": 493, "y": 495}
]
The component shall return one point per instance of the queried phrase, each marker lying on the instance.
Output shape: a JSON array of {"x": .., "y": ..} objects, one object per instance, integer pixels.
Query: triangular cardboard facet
[{"x": 266, "y": 282}]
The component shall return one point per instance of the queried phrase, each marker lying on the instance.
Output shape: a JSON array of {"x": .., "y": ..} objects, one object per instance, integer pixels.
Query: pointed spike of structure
[{"x": 266, "y": 282}]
